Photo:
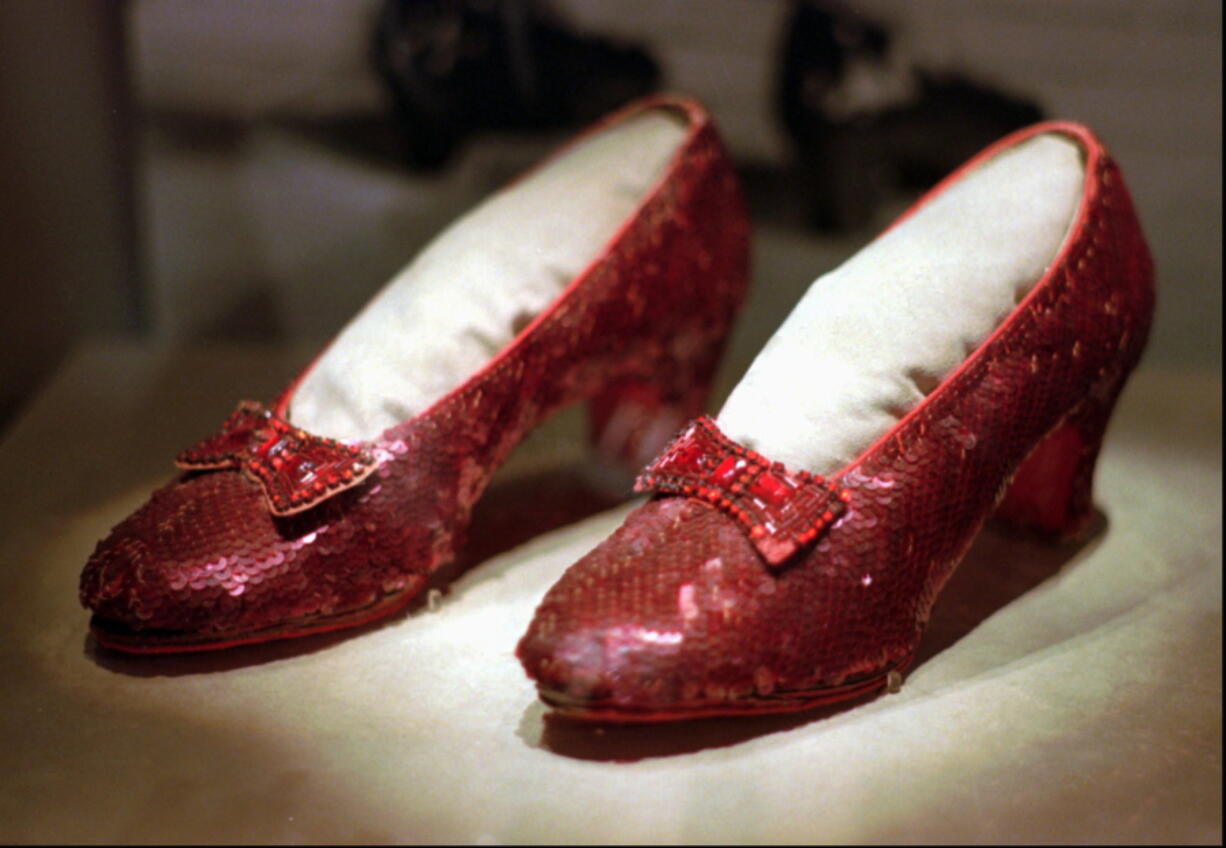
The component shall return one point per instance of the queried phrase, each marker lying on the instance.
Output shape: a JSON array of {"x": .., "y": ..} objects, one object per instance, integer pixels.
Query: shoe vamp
[
  {"x": 677, "y": 604},
  {"x": 205, "y": 553}
]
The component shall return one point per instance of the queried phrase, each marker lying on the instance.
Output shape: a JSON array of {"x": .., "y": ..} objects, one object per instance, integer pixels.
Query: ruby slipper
[
  {"x": 964, "y": 364},
  {"x": 609, "y": 274}
]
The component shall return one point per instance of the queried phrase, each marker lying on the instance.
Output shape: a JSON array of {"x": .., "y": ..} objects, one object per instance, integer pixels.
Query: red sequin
[
  {"x": 205, "y": 564},
  {"x": 676, "y": 614},
  {"x": 781, "y": 510},
  {"x": 295, "y": 469}
]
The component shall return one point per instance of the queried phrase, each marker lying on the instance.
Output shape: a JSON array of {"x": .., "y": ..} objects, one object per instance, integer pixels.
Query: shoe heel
[
  {"x": 1051, "y": 493},
  {"x": 632, "y": 418}
]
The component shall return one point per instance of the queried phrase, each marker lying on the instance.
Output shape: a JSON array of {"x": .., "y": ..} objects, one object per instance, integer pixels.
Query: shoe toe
[
  {"x": 202, "y": 555},
  {"x": 673, "y": 611}
]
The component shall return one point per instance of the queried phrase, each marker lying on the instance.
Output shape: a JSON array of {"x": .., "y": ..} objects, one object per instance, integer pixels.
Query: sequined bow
[
  {"x": 295, "y": 469},
  {"x": 780, "y": 510}
]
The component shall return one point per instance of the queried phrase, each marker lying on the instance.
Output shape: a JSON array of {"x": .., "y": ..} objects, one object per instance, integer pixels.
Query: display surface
[{"x": 1063, "y": 694}]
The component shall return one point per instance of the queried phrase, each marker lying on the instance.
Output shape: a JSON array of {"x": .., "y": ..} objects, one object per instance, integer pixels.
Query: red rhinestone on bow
[
  {"x": 781, "y": 510},
  {"x": 295, "y": 469}
]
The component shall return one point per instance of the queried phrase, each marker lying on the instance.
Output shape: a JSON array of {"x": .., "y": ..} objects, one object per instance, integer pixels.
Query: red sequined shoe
[
  {"x": 749, "y": 586},
  {"x": 276, "y": 530}
]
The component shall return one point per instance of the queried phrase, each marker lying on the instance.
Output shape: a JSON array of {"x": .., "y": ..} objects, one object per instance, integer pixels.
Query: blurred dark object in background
[
  {"x": 865, "y": 121},
  {"x": 455, "y": 67}
]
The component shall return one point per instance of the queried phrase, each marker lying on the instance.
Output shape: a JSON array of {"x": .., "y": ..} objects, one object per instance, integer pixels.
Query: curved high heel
[{"x": 330, "y": 507}]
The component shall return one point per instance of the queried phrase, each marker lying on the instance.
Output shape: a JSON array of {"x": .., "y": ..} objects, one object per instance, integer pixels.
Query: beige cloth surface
[{"x": 1061, "y": 694}]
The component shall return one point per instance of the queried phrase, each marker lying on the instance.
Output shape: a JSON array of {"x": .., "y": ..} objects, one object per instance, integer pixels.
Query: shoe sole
[
  {"x": 119, "y": 638},
  {"x": 576, "y": 711}
]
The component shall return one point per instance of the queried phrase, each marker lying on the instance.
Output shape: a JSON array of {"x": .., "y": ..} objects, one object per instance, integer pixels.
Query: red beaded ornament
[
  {"x": 295, "y": 469},
  {"x": 781, "y": 510}
]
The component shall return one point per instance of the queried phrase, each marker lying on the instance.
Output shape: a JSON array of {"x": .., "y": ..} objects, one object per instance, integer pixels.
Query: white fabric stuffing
[
  {"x": 871, "y": 339},
  {"x": 482, "y": 280}
]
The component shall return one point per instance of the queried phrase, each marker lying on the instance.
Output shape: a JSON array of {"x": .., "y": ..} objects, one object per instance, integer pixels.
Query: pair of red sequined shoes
[{"x": 791, "y": 551}]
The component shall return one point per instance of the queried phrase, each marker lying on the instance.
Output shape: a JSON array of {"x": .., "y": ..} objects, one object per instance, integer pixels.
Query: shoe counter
[{"x": 1060, "y": 695}]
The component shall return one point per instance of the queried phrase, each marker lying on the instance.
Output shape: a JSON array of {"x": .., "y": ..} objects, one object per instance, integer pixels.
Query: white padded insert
[
  {"x": 871, "y": 339},
  {"x": 482, "y": 280}
]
